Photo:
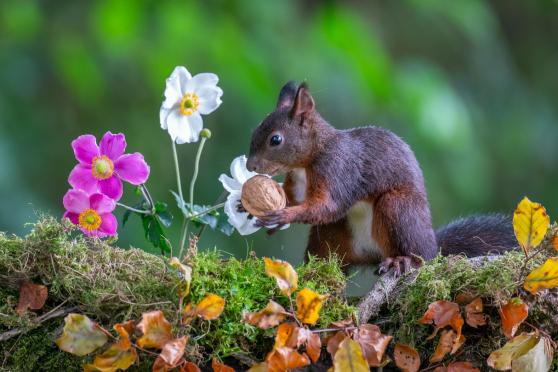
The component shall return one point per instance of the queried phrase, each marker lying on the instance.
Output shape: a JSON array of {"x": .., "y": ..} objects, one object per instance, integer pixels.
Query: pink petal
[
  {"x": 101, "y": 203},
  {"x": 111, "y": 187},
  {"x": 113, "y": 145},
  {"x": 73, "y": 217},
  {"x": 82, "y": 178},
  {"x": 85, "y": 148},
  {"x": 76, "y": 201},
  {"x": 88, "y": 232},
  {"x": 108, "y": 224},
  {"x": 132, "y": 168}
]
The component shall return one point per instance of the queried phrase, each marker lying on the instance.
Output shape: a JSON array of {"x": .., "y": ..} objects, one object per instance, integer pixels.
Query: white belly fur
[{"x": 360, "y": 218}]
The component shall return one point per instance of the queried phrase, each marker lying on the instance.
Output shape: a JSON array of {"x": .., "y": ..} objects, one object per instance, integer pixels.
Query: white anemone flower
[
  {"x": 187, "y": 98},
  {"x": 240, "y": 174}
]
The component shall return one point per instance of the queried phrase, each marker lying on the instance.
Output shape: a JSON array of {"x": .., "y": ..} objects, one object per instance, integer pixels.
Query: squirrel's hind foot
[{"x": 400, "y": 264}]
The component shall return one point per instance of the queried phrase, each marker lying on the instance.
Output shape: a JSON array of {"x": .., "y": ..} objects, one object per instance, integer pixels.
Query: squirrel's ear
[
  {"x": 303, "y": 103},
  {"x": 287, "y": 95}
]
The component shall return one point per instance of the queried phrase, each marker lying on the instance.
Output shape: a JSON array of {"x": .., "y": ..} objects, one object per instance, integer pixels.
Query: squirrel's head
[{"x": 283, "y": 140}]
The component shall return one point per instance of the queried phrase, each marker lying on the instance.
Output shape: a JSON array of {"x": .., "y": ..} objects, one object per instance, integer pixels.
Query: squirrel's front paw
[{"x": 273, "y": 218}]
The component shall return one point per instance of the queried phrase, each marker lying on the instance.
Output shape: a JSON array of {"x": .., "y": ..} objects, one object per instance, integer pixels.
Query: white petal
[
  {"x": 230, "y": 184},
  {"x": 238, "y": 219},
  {"x": 239, "y": 170},
  {"x": 163, "y": 114},
  {"x": 173, "y": 90},
  {"x": 200, "y": 81},
  {"x": 179, "y": 127},
  {"x": 210, "y": 99},
  {"x": 196, "y": 125}
]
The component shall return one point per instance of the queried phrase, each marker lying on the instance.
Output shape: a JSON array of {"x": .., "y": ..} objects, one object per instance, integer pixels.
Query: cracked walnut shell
[{"x": 261, "y": 194}]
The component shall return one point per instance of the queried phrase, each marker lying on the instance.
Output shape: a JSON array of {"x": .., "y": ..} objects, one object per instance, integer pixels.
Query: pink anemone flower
[
  {"x": 102, "y": 168},
  {"x": 93, "y": 213}
]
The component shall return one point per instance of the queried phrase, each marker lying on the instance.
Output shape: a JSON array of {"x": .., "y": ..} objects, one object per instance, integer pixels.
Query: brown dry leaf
[
  {"x": 443, "y": 313},
  {"x": 156, "y": 330},
  {"x": 287, "y": 335},
  {"x": 189, "y": 367},
  {"x": 272, "y": 315},
  {"x": 220, "y": 367},
  {"x": 349, "y": 322},
  {"x": 474, "y": 313},
  {"x": 502, "y": 358},
  {"x": 81, "y": 335},
  {"x": 31, "y": 296},
  {"x": 373, "y": 343},
  {"x": 407, "y": 359},
  {"x": 173, "y": 351},
  {"x": 188, "y": 314},
  {"x": 210, "y": 307},
  {"x": 124, "y": 331},
  {"x": 349, "y": 358},
  {"x": 334, "y": 341},
  {"x": 308, "y": 306},
  {"x": 285, "y": 358},
  {"x": 284, "y": 274},
  {"x": 311, "y": 341},
  {"x": 530, "y": 223},
  {"x": 449, "y": 342},
  {"x": 457, "y": 367},
  {"x": 555, "y": 242},
  {"x": 159, "y": 365},
  {"x": 545, "y": 276},
  {"x": 113, "y": 359},
  {"x": 513, "y": 314}
]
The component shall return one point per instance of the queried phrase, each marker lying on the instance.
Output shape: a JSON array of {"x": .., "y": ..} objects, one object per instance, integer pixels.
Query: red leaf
[{"x": 31, "y": 296}]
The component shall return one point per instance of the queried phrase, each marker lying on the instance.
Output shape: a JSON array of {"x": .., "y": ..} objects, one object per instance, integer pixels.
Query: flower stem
[
  {"x": 177, "y": 170},
  {"x": 206, "y": 211},
  {"x": 196, "y": 170},
  {"x": 142, "y": 211}
]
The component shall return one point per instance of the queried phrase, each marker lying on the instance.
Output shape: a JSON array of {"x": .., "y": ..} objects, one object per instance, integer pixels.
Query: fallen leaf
[
  {"x": 345, "y": 323},
  {"x": 173, "y": 351},
  {"x": 308, "y": 306},
  {"x": 113, "y": 359},
  {"x": 457, "y": 367},
  {"x": 513, "y": 313},
  {"x": 287, "y": 335},
  {"x": 156, "y": 330},
  {"x": 407, "y": 359},
  {"x": 443, "y": 313},
  {"x": 31, "y": 296},
  {"x": 555, "y": 242},
  {"x": 124, "y": 331},
  {"x": 220, "y": 367},
  {"x": 474, "y": 315},
  {"x": 285, "y": 358},
  {"x": 311, "y": 341},
  {"x": 189, "y": 367},
  {"x": 373, "y": 343},
  {"x": 188, "y": 314},
  {"x": 545, "y": 276},
  {"x": 284, "y": 274},
  {"x": 539, "y": 358},
  {"x": 502, "y": 358},
  {"x": 81, "y": 335},
  {"x": 334, "y": 342},
  {"x": 259, "y": 367},
  {"x": 444, "y": 347},
  {"x": 530, "y": 223},
  {"x": 185, "y": 273},
  {"x": 272, "y": 315},
  {"x": 210, "y": 307},
  {"x": 159, "y": 365},
  {"x": 349, "y": 357}
]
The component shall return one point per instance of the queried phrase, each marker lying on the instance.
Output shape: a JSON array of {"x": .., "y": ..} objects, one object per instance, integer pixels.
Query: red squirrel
[{"x": 361, "y": 189}]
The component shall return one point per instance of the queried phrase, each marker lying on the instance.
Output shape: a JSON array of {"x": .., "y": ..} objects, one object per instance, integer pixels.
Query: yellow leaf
[
  {"x": 308, "y": 306},
  {"x": 156, "y": 330},
  {"x": 185, "y": 275},
  {"x": 113, "y": 359},
  {"x": 530, "y": 223},
  {"x": 349, "y": 358},
  {"x": 546, "y": 276},
  {"x": 210, "y": 307},
  {"x": 284, "y": 274},
  {"x": 81, "y": 335},
  {"x": 502, "y": 358},
  {"x": 270, "y": 316}
]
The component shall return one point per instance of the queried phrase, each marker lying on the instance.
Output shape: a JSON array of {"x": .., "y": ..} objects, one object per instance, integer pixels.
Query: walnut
[{"x": 261, "y": 194}]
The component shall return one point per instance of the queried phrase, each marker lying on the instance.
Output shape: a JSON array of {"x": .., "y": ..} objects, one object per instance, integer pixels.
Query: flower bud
[{"x": 205, "y": 133}]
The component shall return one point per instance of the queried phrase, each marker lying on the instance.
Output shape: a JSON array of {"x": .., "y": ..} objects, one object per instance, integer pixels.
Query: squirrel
[{"x": 361, "y": 189}]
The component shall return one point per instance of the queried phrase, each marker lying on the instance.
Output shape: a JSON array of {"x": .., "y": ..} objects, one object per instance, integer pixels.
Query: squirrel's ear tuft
[
  {"x": 303, "y": 103},
  {"x": 287, "y": 95}
]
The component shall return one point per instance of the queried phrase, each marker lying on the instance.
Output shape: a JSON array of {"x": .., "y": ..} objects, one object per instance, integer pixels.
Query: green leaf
[
  {"x": 160, "y": 207},
  {"x": 165, "y": 218},
  {"x": 154, "y": 232},
  {"x": 224, "y": 226},
  {"x": 128, "y": 213}
]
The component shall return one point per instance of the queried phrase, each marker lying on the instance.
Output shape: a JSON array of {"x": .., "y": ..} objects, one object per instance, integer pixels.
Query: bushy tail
[{"x": 477, "y": 235}]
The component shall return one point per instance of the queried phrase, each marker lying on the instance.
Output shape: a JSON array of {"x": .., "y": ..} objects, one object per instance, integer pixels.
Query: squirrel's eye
[{"x": 276, "y": 140}]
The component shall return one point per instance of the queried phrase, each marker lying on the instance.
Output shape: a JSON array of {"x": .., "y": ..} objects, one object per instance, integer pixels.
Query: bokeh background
[{"x": 472, "y": 85}]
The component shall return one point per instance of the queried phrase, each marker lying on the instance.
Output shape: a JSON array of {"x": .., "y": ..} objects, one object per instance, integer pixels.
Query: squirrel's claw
[
  {"x": 272, "y": 218},
  {"x": 400, "y": 264}
]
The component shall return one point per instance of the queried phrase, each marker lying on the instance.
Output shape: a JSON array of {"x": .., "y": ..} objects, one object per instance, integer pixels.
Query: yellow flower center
[
  {"x": 90, "y": 220},
  {"x": 102, "y": 167},
  {"x": 189, "y": 104}
]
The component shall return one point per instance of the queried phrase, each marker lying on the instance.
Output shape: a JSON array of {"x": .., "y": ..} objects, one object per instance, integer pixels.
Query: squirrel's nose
[{"x": 251, "y": 164}]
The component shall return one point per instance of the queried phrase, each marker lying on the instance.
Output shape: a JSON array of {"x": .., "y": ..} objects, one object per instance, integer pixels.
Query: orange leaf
[
  {"x": 513, "y": 314},
  {"x": 406, "y": 358},
  {"x": 155, "y": 328},
  {"x": 173, "y": 351},
  {"x": 159, "y": 365},
  {"x": 259, "y": 367},
  {"x": 349, "y": 322},
  {"x": 189, "y": 367},
  {"x": 269, "y": 317},
  {"x": 124, "y": 330},
  {"x": 284, "y": 358},
  {"x": 457, "y": 367},
  {"x": 81, "y": 335},
  {"x": 312, "y": 342},
  {"x": 555, "y": 242},
  {"x": 220, "y": 367},
  {"x": 210, "y": 307},
  {"x": 334, "y": 341},
  {"x": 449, "y": 342},
  {"x": 287, "y": 335},
  {"x": 31, "y": 296},
  {"x": 308, "y": 306},
  {"x": 443, "y": 313},
  {"x": 284, "y": 274},
  {"x": 373, "y": 343},
  {"x": 474, "y": 313},
  {"x": 116, "y": 357}
]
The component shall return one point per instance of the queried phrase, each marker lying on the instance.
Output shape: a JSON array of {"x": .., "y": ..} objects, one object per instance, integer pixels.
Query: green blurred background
[{"x": 472, "y": 85}]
